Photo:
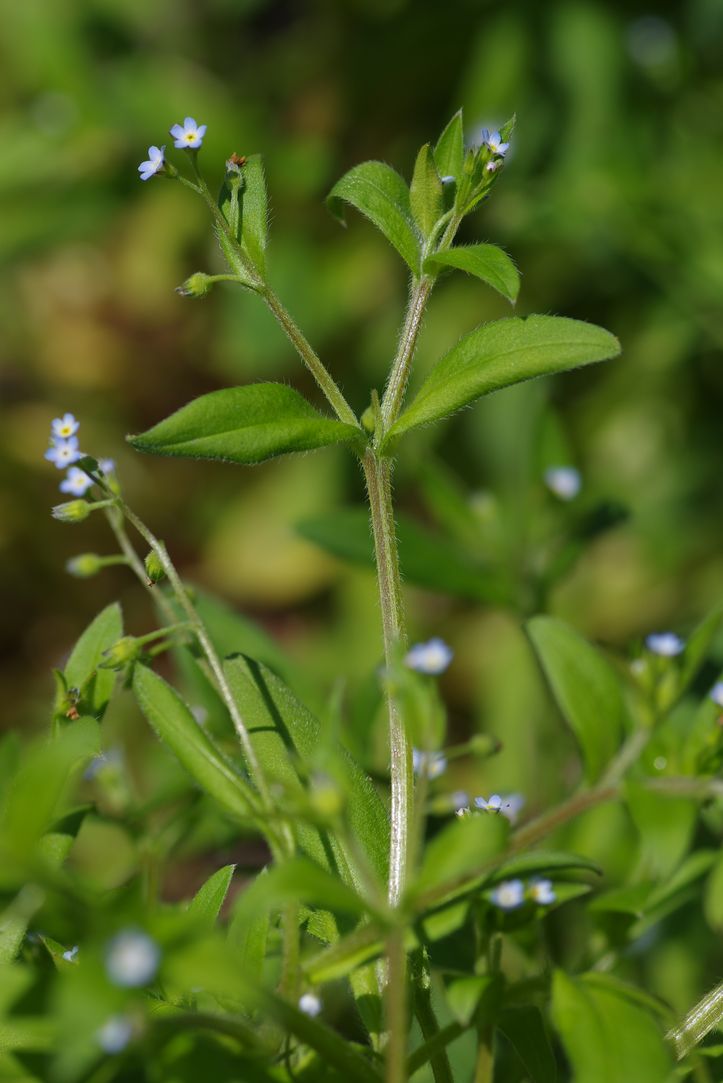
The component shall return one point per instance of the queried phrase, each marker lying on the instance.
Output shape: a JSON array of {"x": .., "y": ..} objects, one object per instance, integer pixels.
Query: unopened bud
[
  {"x": 75, "y": 511},
  {"x": 84, "y": 565},
  {"x": 198, "y": 285},
  {"x": 154, "y": 568},
  {"x": 368, "y": 419},
  {"x": 122, "y": 653},
  {"x": 235, "y": 163}
]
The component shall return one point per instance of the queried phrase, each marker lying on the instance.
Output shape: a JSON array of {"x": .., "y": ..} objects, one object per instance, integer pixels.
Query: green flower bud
[
  {"x": 84, "y": 565},
  {"x": 368, "y": 419},
  {"x": 75, "y": 511},
  {"x": 154, "y": 568},
  {"x": 122, "y": 653},
  {"x": 198, "y": 285}
]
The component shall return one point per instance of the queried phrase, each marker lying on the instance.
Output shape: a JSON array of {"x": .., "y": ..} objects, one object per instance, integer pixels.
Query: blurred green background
[{"x": 610, "y": 204}]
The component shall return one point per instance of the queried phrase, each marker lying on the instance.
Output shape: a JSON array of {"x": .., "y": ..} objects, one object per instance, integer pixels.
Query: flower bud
[
  {"x": 84, "y": 565},
  {"x": 122, "y": 653},
  {"x": 198, "y": 285},
  {"x": 154, "y": 568},
  {"x": 75, "y": 511}
]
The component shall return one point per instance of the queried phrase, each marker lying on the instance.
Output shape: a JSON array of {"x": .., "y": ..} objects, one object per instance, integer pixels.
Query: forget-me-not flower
[
  {"x": 666, "y": 644},
  {"x": 508, "y": 805},
  {"x": 310, "y": 1004},
  {"x": 509, "y": 894},
  {"x": 132, "y": 959},
  {"x": 542, "y": 891},
  {"x": 107, "y": 466},
  {"x": 429, "y": 764},
  {"x": 716, "y": 693},
  {"x": 493, "y": 805},
  {"x": 71, "y": 954},
  {"x": 76, "y": 482},
  {"x": 62, "y": 428},
  {"x": 64, "y": 452},
  {"x": 115, "y": 1034},
  {"x": 155, "y": 163},
  {"x": 493, "y": 140},
  {"x": 431, "y": 658},
  {"x": 189, "y": 135},
  {"x": 564, "y": 481}
]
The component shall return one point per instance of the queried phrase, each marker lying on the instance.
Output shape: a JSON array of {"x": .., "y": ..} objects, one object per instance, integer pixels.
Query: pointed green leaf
[
  {"x": 298, "y": 880},
  {"x": 376, "y": 190},
  {"x": 207, "y": 902},
  {"x": 248, "y": 936},
  {"x": 81, "y": 670},
  {"x": 500, "y": 354},
  {"x": 459, "y": 850},
  {"x": 253, "y": 206},
  {"x": 244, "y": 425},
  {"x": 485, "y": 261},
  {"x": 425, "y": 193},
  {"x": 449, "y": 151},
  {"x": 585, "y": 687},
  {"x": 175, "y": 725},
  {"x": 525, "y": 1029}
]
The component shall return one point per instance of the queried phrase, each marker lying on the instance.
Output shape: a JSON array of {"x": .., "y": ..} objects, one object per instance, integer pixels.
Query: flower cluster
[
  {"x": 186, "y": 136},
  {"x": 512, "y": 893},
  {"x": 64, "y": 451}
]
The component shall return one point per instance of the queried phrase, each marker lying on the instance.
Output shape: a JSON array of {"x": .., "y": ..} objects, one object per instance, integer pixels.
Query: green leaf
[
  {"x": 526, "y": 1031},
  {"x": 425, "y": 193},
  {"x": 542, "y": 863},
  {"x": 605, "y": 1035},
  {"x": 449, "y": 151},
  {"x": 585, "y": 687},
  {"x": 175, "y": 725},
  {"x": 500, "y": 354},
  {"x": 253, "y": 205},
  {"x": 207, "y": 902},
  {"x": 376, "y": 190},
  {"x": 298, "y": 880},
  {"x": 665, "y": 825},
  {"x": 244, "y": 425},
  {"x": 248, "y": 936},
  {"x": 464, "y": 995},
  {"x": 485, "y": 261},
  {"x": 81, "y": 670},
  {"x": 693, "y": 657},
  {"x": 459, "y": 849},
  {"x": 426, "y": 559}
]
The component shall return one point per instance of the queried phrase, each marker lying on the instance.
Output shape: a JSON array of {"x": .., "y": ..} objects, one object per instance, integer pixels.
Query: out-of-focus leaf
[
  {"x": 207, "y": 902},
  {"x": 426, "y": 560},
  {"x": 498, "y": 355},
  {"x": 248, "y": 936},
  {"x": 449, "y": 151},
  {"x": 606, "y": 1036},
  {"x": 694, "y": 655},
  {"x": 676, "y": 890},
  {"x": 298, "y": 880},
  {"x": 465, "y": 994},
  {"x": 175, "y": 725},
  {"x": 376, "y": 190},
  {"x": 484, "y": 261},
  {"x": 541, "y": 862},
  {"x": 665, "y": 825},
  {"x": 585, "y": 687},
  {"x": 458, "y": 850},
  {"x": 526, "y": 1031},
  {"x": 713, "y": 898},
  {"x": 244, "y": 425},
  {"x": 27, "y": 1034},
  {"x": 81, "y": 670},
  {"x": 425, "y": 193}
]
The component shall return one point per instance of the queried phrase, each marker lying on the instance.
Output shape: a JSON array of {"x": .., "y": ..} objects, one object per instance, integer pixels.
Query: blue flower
[
  {"x": 132, "y": 959},
  {"x": 107, "y": 466},
  {"x": 541, "y": 891},
  {"x": 509, "y": 894},
  {"x": 155, "y": 163},
  {"x": 493, "y": 140},
  {"x": 76, "y": 482},
  {"x": 115, "y": 1034},
  {"x": 564, "y": 481},
  {"x": 190, "y": 135},
  {"x": 431, "y": 658},
  {"x": 310, "y": 1004},
  {"x": 71, "y": 954},
  {"x": 429, "y": 764},
  {"x": 507, "y": 805},
  {"x": 493, "y": 805},
  {"x": 666, "y": 644},
  {"x": 64, "y": 452},
  {"x": 716, "y": 693},
  {"x": 62, "y": 428}
]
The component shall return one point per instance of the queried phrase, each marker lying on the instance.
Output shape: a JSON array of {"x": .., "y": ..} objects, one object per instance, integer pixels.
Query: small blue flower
[
  {"x": 107, "y": 466},
  {"x": 493, "y": 140},
  {"x": 310, "y": 1004},
  {"x": 190, "y": 135},
  {"x": 71, "y": 954},
  {"x": 564, "y": 481},
  {"x": 64, "y": 452},
  {"x": 508, "y": 805},
  {"x": 132, "y": 959},
  {"x": 493, "y": 805},
  {"x": 76, "y": 482},
  {"x": 62, "y": 428},
  {"x": 115, "y": 1034},
  {"x": 716, "y": 693},
  {"x": 509, "y": 894},
  {"x": 431, "y": 658},
  {"x": 155, "y": 163},
  {"x": 541, "y": 891},
  {"x": 666, "y": 644},
  {"x": 429, "y": 764}
]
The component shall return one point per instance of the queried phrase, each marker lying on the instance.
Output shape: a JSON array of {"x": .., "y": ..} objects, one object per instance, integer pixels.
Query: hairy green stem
[
  {"x": 399, "y": 374},
  {"x": 699, "y": 1021},
  {"x": 396, "y": 1003},
  {"x": 424, "y": 1011}
]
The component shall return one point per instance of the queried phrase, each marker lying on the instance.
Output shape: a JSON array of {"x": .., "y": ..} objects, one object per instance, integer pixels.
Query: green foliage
[
  {"x": 81, "y": 672},
  {"x": 484, "y": 261},
  {"x": 449, "y": 150},
  {"x": 425, "y": 192},
  {"x": 244, "y": 425},
  {"x": 380, "y": 194}
]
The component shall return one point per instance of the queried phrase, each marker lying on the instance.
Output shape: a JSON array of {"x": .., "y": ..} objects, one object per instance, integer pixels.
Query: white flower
[
  {"x": 76, "y": 482},
  {"x": 64, "y": 427},
  {"x": 716, "y": 693},
  {"x": 155, "y": 163},
  {"x": 429, "y": 764},
  {"x": 666, "y": 644},
  {"x": 493, "y": 140},
  {"x": 431, "y": 658},
  {"x": 310, "y": 1004},
  {"x": 509, "y": 894},
  {"x": 190, "y": 135},
  {"x": 115, "y": 1034},
  {"x": 64, "y": 452},
  {"x": 132, "y": 959},
  {"x": 542, "y": 892},
  {"x": 564, "y": 481}
]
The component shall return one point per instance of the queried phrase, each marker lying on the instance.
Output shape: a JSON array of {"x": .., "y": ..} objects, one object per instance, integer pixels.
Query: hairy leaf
[
  {"x": 449, "y": 151},
  {"x": 485, "y": 261},
  {"x": 425, "y": 194},
  {"x": 376, "y": 190},
  {"x": 81, "y": 670},
  {"x": 207, "y": 902}
]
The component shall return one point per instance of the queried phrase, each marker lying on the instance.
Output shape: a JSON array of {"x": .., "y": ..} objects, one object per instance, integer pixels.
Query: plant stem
[
  {"x": 399, "y": 374},
  {"x": 396, "y": 1001}
]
